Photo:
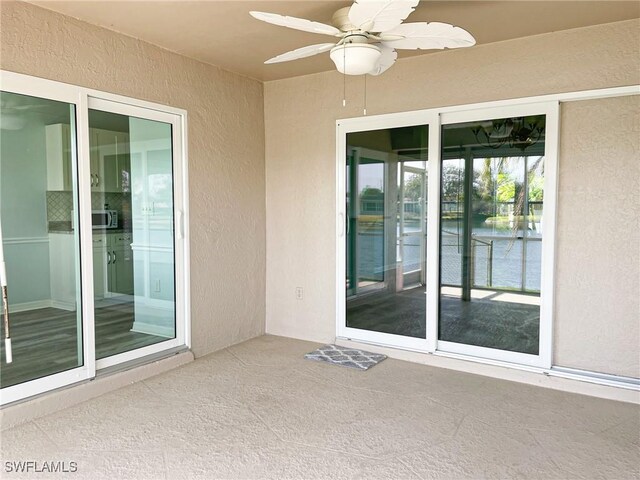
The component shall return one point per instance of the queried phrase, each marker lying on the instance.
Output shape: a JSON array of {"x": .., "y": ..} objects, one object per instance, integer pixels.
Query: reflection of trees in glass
[
  {"x": 452, "y": 189},
  {"x": 371, "y": 192},
  {"x": 500, "y": 191},
  {"x": 452, "y": 182},
  {"x": 485, "y": 186},
  {"x": 413, "y": 188},
  {"x": 371, "y": 201},
  {"x": 412, "y": 201},
  {"x": 536, "y": 180},
  {"x": 506, "y": 190}
]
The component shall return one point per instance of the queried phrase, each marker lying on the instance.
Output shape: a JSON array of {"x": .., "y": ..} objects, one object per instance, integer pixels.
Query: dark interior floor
[
  {"x": 403, "y": 313},
  {"x": 45, "y": 341},
  {"x": 483, "y": 322}
]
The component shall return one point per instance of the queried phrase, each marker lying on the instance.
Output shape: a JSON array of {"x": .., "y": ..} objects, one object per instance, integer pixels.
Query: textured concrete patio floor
[{"x": 258, "y": 410}]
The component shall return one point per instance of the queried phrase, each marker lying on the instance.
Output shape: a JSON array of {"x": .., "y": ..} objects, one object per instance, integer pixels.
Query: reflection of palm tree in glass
[{"x": 495, "y": 185}]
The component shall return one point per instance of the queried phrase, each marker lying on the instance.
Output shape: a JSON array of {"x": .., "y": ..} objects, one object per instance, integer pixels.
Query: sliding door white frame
[
  {"x": 180, "y": 273},
  {"x": 435, "y": 118},
  {"x": 359, "y": 125},
  {"x": 551, "y": 111},
  {"x": 37, "y": 87},
  {"x": 82, "y": 98}
]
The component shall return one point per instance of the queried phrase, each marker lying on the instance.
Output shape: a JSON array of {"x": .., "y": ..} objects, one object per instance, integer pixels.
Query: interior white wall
[
  {"x": 300, "y": 115},
  {"x": 23, "y": 180}
]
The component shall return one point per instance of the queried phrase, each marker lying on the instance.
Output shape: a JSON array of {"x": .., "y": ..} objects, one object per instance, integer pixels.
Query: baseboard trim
[
  {"x": 71, "y": 307},
  {"x": 26, "y": 306}
]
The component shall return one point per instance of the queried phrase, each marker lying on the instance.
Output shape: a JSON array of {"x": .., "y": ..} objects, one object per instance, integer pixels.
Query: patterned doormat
[{"x": 346, "y": 357}]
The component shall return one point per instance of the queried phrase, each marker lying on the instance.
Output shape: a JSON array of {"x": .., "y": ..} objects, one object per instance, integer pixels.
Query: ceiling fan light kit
[
  {"x": 10, "y": 121},
  {"x": 355, "y": 58},
  {"x": 369, "y": 33}
]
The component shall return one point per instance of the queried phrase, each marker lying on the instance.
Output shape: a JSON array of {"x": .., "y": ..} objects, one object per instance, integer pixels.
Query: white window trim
[
  {"x": 81, "y": 97},
  {"x": 435, "y": 118}
]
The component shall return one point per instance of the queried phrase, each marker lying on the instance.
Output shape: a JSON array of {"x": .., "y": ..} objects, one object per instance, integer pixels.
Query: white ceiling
[{"x": 223, "y": 33}]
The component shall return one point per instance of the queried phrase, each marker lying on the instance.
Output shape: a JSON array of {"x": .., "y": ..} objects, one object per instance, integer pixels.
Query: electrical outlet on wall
[{"x": 299, "y": 293}]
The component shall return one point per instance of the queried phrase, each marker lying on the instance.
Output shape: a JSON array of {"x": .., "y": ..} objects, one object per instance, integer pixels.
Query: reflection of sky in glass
[
  {"x": 414, "y": 164},
  {"x": 510, "y": 165},
  {"x": 371, "y": 176},
  {"x": 159, "y": 186},
  {"x": 158, "y": 191}
]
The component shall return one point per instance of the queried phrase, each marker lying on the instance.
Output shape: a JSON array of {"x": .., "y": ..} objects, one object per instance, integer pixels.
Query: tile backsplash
[{"x": 60, "y": 204}]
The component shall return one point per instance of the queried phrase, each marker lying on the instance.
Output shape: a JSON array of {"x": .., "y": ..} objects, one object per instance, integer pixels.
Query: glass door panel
[
  {"x": 412, "y": 222},
  {"x": 490, "y": 233},
  {"x": 133, "y": 246},
  {"x": 385, "y": 240},
  {"x": 39, "y": 205}
]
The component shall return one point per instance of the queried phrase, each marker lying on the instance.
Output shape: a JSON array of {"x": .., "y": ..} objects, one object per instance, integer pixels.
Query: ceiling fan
[{"x": 369, "y": 33}]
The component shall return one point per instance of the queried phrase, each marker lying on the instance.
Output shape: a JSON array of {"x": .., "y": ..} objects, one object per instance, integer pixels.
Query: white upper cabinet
[
  {"x": 110, "y": 165},
  {"x": 59, "y": 171},
  {"x": 109, "y": 159}
]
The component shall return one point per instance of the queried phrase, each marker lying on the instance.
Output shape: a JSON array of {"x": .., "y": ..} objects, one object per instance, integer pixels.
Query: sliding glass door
[
  {"x": 385, "y": 189},
  {"x": 134, "y": 184},
  {"x": 448, "y": 236},
  {"x": 40, "y": 247},
  {"x": 495, "y": 245},
  {"x": 412, "y": 221},
  {"x": 92, "y": 204}
]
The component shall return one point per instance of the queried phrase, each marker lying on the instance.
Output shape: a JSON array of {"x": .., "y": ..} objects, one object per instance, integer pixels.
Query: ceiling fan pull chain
[
  {"x": 365, "y": 94},
  {"x": 344, "y": 77}
]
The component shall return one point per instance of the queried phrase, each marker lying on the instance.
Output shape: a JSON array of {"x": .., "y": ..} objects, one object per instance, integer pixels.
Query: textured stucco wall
[
  {"x": 300, "y": 115},
  {"x": 598, "y": 262},
  {"x": 226, "y": 152}
]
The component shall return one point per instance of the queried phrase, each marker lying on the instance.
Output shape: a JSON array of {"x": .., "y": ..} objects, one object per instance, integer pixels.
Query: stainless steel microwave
[
  {"x": 104, "y": 218},
  {"x": 101, "y": 219}
]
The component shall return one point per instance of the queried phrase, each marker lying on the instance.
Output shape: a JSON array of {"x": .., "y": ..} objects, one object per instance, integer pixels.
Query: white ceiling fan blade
[
  {"x": 424, "y": 36},
  {"x": 296, "y": 23},
  {"x": 303, "y": 52},
  {"x": 380, "y": 15},
  {"x": 388, "y": 58}
]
